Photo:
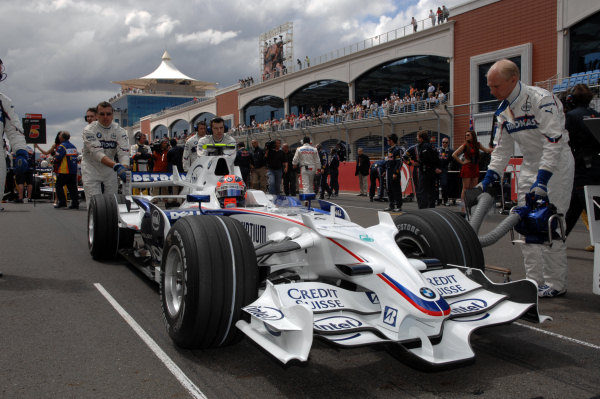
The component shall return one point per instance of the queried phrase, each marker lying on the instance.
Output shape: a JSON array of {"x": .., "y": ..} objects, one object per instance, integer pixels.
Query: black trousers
[
  {"x": 426, "y": 191},
  {"x": 373, "y": 177},
  {"x": 394, "y": 190},
  {"x": 69, "y": 180},
  {"x": 289, "y": 183},
  {"x": 324, "y": 185},
  {"x": 333, "y": 181},
  {"x": 246, "y": 176}
]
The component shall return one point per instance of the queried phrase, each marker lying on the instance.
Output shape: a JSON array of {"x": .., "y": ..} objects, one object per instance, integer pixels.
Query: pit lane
[{"x": 61, "y": 338}]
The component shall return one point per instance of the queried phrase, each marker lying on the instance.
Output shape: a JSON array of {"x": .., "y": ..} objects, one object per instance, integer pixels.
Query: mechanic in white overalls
[
  {"x": 307, "y": 157},
  {"x": 533, "y": 118}
]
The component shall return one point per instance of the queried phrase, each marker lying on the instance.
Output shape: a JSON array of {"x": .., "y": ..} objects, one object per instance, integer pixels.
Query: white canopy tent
[{"x": 166, "y": 78}]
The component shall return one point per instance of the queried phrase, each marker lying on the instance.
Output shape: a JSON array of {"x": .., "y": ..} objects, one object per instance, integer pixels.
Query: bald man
[{"x": 533, "y": 118}]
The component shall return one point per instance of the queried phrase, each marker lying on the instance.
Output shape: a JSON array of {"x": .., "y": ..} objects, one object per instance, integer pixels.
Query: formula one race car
[{"x": 284, "y": 270}]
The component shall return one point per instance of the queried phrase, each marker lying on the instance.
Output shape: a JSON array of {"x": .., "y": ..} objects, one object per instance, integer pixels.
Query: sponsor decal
[
  {"x": 521, "y": 123},
  {"x": 526, "y": 107},
  {"x": 108, "y": 144},
  {"x": 113, "y": 136},
  {"x": 155, "y": 220},
  {"x": 390, "y": 315},
  {"x": 316, "y": 298},
  {"x": 365, "y": 237},
  {"x": 446, "y": 285},
  {"x": 339, "y": 213},
  {"x": 264, "y": 312},
  {"x": 336, "y": 323},
  {"x": 99, "y": 135},
  {"x": 427, "y": 292},
  {"x": 372, "y": 297},
  {"x": 467, "y": 306},
  {"x": 151, "y": 177},
  {"x": 257, "y": 232}
]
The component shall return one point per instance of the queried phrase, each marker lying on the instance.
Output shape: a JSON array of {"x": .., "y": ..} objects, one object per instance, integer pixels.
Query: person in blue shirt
[{"x": 66, "y": 158}]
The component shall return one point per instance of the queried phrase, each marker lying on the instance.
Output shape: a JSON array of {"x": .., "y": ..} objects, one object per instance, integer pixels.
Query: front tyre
[
  {"x": 209, "y": 273},
  {"x": 103, "y": 227},
  {"x": 441, "y": 234}
]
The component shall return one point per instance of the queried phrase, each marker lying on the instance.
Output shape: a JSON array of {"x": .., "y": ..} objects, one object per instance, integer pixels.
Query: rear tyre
[
  {"x": 209, "y": 273},
  {"x": 103, "y": 227},
  {"x": 441, "y": 234}
]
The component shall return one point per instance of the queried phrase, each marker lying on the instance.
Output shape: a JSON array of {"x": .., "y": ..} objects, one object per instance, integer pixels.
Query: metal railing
[
  {"x": 353, "y": 48},
  {"x": 352, "y": 114}
]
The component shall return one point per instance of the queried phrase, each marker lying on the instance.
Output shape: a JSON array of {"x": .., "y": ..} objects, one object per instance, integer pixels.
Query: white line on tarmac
[
  {"x": 576, "y": 341},
  {"x": 173, "y": 368}
]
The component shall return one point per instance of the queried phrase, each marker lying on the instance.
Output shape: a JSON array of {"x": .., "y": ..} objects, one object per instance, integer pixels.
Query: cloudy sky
[{"x": 61, "y": 55}]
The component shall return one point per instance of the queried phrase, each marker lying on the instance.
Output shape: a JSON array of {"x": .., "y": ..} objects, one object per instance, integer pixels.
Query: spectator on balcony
[
  {"x": 307, "y": 61},
  {"x": 414, "y": 24},
  {"x": 432, "y": 17},
  {"x": 445, "y": 13},
  {"x": 440, "y": 15}
]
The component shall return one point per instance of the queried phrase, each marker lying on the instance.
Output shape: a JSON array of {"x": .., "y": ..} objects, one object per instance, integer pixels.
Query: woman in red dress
[{"x": 469, "y": 171}]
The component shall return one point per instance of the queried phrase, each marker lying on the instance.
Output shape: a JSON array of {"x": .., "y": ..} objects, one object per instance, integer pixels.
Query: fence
[
  {"x": 352, "y": 114},
  {"x": 351, "y": 49}
]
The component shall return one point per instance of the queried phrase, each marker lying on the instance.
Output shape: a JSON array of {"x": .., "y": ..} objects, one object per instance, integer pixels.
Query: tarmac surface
[{"x": 60, "y": 336}]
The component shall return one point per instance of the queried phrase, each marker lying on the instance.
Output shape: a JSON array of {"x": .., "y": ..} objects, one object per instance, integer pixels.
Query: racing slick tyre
[
  {"x": 441, "y": 234},
  {"x": 209, "y": 274},
  {"x": 103, "y": 227},
  {"x": 126, "y": 235}
]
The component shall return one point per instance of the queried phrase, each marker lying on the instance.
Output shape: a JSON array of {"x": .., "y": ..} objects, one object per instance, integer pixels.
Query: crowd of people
[{"x": 412, "y": 101}]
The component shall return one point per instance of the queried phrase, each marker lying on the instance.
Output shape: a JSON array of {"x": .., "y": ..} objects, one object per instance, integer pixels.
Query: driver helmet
[{"x": 231, "y": 191}]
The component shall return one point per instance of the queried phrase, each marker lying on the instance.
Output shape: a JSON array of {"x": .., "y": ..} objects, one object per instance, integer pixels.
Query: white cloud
[
  {"x": 78, "y": 47},
  {"x": 142, "y": 25},
  {"x": 209, "y": 36}
]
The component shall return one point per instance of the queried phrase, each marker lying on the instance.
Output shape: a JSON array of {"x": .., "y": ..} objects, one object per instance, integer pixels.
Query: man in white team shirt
[
  {"x": 103, "y": 140},
  {"x": 191, "y": 146},
  {"x": 217, "y": 125},
  {"x": 307, "y": 157}
]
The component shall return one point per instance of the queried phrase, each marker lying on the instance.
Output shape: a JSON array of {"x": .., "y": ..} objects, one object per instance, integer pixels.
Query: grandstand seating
[{"x": 590, "y": 78}]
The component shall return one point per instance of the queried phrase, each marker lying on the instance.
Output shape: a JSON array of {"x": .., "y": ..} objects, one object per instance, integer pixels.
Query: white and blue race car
[{"x": 283, "y": 271}]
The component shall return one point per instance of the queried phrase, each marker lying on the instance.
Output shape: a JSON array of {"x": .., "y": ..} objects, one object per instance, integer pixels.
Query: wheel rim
[
  {"x": 411, "y": 247},
  {"x": 174, "y": 280},
  {"x": 90, "y": 229}
]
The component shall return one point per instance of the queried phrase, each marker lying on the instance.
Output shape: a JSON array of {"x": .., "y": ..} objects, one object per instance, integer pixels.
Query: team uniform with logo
[
  {"x": 190, "y": 152},
  {"x": 209, "y": 140},
  {"x": 307, "y": 157},
  {"x": 100, "y": 141},
  {"x": 533, "y": 118},
  {"x": 10, "y": 124}
]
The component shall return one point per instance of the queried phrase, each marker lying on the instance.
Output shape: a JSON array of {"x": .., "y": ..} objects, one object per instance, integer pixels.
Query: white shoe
[{"x": 545, "y": 291}]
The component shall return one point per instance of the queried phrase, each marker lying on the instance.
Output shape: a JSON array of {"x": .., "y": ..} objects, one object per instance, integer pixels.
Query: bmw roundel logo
[{"x": 427, "y": 292}]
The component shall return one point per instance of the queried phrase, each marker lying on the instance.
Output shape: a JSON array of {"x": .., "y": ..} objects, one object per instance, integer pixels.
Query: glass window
[
  {"x": 584, "y": 45},
  {"x": 484, "y": 90}
]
